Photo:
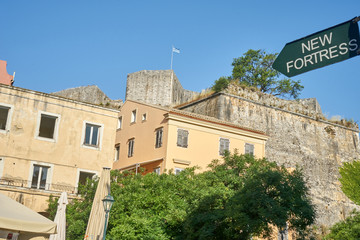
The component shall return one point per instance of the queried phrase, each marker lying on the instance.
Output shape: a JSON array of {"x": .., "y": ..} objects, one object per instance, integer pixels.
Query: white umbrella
[
  {"x": 16, "y": 217},
  {"x": 95, "y": 227},
  {"x": 60, "y": 218}
]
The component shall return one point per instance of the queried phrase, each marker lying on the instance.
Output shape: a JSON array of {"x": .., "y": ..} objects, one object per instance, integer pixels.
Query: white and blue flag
[{"x": 176, "y": 50}]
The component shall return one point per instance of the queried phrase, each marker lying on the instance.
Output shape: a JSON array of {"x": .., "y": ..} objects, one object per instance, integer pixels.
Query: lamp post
[{"x": 108, "y": 202}]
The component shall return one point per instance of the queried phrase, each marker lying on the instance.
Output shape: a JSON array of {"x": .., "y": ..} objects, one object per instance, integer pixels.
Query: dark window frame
[
  {"x": 38, "y": 180},
  {"x": 117, "y": 152},
  {"x": 45, "y": 130},
  {"x": 159, "y": 137},
  {"x": 131, "y": 144},
  {"x": 4, "y": 117},
  {"x": 89, "y": 139}
]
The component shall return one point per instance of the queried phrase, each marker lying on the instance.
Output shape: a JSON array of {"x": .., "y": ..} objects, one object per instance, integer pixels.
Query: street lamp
[{"x": 108, "y": 202}]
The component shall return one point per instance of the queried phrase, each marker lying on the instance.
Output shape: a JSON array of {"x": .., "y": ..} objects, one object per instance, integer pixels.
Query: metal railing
[{"x": 14, "y": 182}]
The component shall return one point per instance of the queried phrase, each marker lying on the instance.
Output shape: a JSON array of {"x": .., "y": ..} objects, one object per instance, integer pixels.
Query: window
[
  {"x": 182, "y": 138},
  {"x": 143, "y": 117},
  {"x": 159, "y": 134},
  {"x": 224, "y": 146},
  {"x": 157, "y": 170},
  {"x": 117, "y": 152},
  {"x": 47, "y": 126},
  {"x": 131, "y": 147},
  {"x": 92, "y": 135},
  {"x": 178, "y": 171},
  {"x": 39, "y": 177},
  {"x": 133, "y": 116},
  {"x": 4, "y": 116},
  {"x": 119, "y": 126},
  {"x": 84, "y": 176},
  {"x": 249, "y": 148}
]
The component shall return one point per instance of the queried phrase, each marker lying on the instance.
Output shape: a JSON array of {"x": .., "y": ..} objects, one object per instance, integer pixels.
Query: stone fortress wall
[
  {"x": 89, "y": 94},
  {"x": 299, "y": 133},
  {"x": 159, "y": 87}
]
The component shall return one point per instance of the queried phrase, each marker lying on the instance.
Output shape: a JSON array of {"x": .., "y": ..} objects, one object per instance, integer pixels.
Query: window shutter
[
  {"x": 224, "y": 145},
  {"x": 160, "y": 137},
  {"x": 185, "y": 138},
  {"x": 179, "y": 138},
  {"x": 159, "y": 134},
  {"x": 182, "y": 138},
  {"x": 221, "y": 150},
  {"x": 227, "y": 143},
  {"x": 249, "y": 149},
  {"x": 131, "y": 147}
]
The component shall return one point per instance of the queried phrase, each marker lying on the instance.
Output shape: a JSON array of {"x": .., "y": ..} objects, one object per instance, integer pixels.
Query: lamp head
[{"x": 108, "y": 202}]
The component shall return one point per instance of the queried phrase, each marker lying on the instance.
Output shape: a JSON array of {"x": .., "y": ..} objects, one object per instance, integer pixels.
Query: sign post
[{"x": 319, "y": 49}]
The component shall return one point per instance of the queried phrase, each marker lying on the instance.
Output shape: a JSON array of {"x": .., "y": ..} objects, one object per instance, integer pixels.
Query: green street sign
[{"x": 320, "y": 49}]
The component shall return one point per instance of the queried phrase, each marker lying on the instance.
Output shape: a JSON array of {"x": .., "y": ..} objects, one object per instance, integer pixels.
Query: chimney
[{"x": 5, "y": 78}]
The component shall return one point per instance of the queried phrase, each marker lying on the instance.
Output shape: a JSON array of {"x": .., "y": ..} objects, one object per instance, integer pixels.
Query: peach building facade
[
  {"x": 50, "y": 144},
  {"x": 158, "y": 138}
]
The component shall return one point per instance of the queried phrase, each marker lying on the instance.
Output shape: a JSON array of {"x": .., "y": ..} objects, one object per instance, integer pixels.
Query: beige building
[
  {"x": 158, "y": 138},
  {"x": 50, "y": 144}
]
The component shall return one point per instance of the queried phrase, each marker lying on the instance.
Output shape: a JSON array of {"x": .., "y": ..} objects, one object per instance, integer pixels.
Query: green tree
[
  {"x": 254, "y": 69},
  {"x": 350, "y": 180},
  {"x": 350, "y": 185},
  {"x": 237, "y": 198},
  {"x": 221, "y": 84},
  {"x": 348, "y": 229},
  {"x": 258, "y": 194}
]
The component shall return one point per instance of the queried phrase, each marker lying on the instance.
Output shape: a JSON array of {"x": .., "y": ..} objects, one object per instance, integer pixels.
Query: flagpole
[
  {"x": 172, "y": 73},
  {"x": 172, "y": 55}
]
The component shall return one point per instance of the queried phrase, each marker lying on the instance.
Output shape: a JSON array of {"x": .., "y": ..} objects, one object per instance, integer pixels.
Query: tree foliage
[
  {"x": 348, "y": 229},
  {"x": 350, "y": 180},
  {"x": 350, "y": 185},
  {"x": 254, "y": 69},
  {"x": 257, "y": 196},
  {"x": 237, "y": 198},
  {"x": 221, "y": 84}
]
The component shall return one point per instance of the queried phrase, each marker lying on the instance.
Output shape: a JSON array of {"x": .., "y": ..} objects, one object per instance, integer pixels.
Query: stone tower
[{"x": 160, "y": 87}]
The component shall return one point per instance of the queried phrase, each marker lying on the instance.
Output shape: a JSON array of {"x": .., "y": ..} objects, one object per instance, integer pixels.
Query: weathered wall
[
  {"x": 160, "y": 87},
  {"x": 64, "y": 154},
  {"x": 297, "y": 137},
  {"x": 179, "y": 94},
  {"x": 90, "y": 94}
]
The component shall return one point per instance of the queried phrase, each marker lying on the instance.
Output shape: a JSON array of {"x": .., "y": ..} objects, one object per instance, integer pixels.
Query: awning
[{"x": 16, "y": 217}]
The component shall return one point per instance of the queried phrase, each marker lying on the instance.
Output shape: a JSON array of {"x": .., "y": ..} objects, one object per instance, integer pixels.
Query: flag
[{"x": 176, "y": 50}]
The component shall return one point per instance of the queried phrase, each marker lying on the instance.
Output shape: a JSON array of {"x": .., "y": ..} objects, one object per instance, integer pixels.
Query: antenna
[{"x": 13, "y": 80}]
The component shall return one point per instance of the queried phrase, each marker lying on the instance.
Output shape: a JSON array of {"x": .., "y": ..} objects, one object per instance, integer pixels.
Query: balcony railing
[{"x": 13, "y": 182}]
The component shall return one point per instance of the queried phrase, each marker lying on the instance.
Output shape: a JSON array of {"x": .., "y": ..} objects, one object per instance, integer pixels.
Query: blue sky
[{"x": 54, "y": 45}]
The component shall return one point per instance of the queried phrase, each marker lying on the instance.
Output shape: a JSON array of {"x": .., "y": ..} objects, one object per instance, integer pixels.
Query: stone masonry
[
  {"x": 298, "y": 136},
  {"x": 90, "y": 94},
  {"x": 159, "y": 87}
]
